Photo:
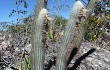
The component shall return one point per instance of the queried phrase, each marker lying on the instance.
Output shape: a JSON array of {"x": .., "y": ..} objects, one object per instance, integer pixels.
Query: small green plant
[
  {"x": 93, "y": 29},
  {"x": 60, "y": 21},
  {"x": 20, "y": 27},
  {"x": 27, "y": 62},
  {"x": 16, "y": 28},
  {"x": 52, "y": 34}
]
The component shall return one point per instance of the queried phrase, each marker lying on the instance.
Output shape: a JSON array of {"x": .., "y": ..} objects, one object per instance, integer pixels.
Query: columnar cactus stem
[
  {"x": 61, "y": 62},
  {"x": 40, "y": 4},
  {"x": 75, "y": 43},
  {"x": 66, "y": 38},
  {"x": 39, "y": 39}
]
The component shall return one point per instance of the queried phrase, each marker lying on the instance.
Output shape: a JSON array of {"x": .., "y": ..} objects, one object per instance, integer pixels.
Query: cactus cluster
[{"x": 40, "y": 34}]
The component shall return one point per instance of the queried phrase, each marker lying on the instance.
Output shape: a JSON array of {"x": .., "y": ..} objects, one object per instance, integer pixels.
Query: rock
[
  {"x": 98, "y": 60},
  {"x": 28, "y": 48},
  {"x": 8, "y": 68},
  {"x": 5, "y": 44}
]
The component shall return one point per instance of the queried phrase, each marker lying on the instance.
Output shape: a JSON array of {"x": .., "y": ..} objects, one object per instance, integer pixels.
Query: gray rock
[
  {"x": 98, "y": 60},
  {"x": 8, "y": 68}
]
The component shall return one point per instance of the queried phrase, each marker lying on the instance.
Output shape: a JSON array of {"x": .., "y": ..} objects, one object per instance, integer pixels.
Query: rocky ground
[
  {"x": 14, "y": 47},
  {"x": 91, "y": 57}
]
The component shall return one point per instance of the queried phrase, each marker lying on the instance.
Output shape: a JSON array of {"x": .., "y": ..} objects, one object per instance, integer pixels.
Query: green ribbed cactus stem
[
  {"x": 77, "y": 40},
  {"x": 61, "y": 61},
  {"x": 62, "y": 56},
  {"x": 39, "y": 45},
  {"x": 40, "y": 4}
]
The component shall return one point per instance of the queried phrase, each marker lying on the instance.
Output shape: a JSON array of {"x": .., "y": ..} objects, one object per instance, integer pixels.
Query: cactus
[
  {"x": 67, "y": 34},
  {"x": 40, "y": 4},
  {"x": 39, "y": 40},
  {"x": 61, "y": 60},
  {"x": 38, "y": 43}
]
